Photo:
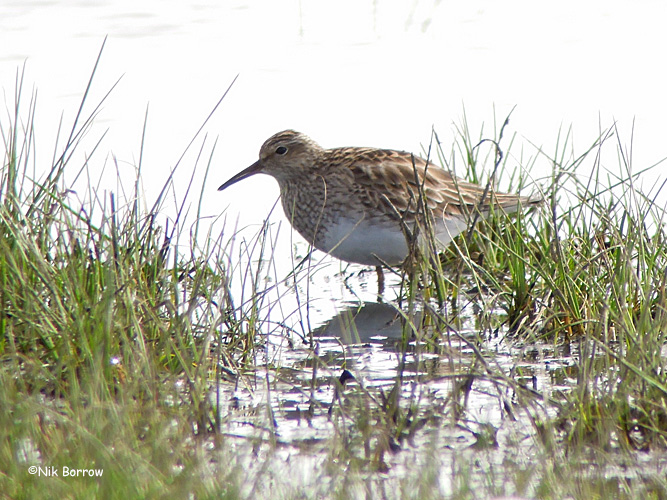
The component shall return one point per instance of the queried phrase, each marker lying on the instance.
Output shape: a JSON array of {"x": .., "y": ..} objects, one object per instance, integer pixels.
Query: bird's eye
[{"x": 281, "y": 150}]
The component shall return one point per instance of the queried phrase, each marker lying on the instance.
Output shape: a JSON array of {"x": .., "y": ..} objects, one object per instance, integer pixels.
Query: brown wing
[{"x": 401, "y": 174}]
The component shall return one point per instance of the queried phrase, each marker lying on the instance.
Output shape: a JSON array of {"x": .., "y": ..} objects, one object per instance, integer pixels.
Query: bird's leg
[{"x": 380, "y": 273}]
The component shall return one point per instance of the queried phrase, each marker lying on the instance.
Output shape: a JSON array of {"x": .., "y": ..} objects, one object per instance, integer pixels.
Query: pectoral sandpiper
[{"x": 356, "y": 203}]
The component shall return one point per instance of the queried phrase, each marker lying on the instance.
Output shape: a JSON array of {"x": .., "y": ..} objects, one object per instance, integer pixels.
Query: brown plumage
[{"x": 355, "y": 203}]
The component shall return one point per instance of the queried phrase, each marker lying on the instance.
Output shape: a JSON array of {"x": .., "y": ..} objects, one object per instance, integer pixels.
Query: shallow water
[
  {"x": 298, "y": 419},
  {"x": 307, "y": 418}
]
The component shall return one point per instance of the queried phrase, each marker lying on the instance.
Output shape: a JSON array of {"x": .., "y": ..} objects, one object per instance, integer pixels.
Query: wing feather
[{"x": 401, "y": 172}]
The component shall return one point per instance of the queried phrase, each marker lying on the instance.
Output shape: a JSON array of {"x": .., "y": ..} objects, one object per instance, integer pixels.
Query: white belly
[{"x": 364, "y": 243}]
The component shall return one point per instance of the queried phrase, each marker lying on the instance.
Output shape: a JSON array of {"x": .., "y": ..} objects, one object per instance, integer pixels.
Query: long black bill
[{"x": 253, "y": 169}]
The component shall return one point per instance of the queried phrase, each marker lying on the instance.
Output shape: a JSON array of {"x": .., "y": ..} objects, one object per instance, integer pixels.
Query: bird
[{"x": 365, "y": 205}]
